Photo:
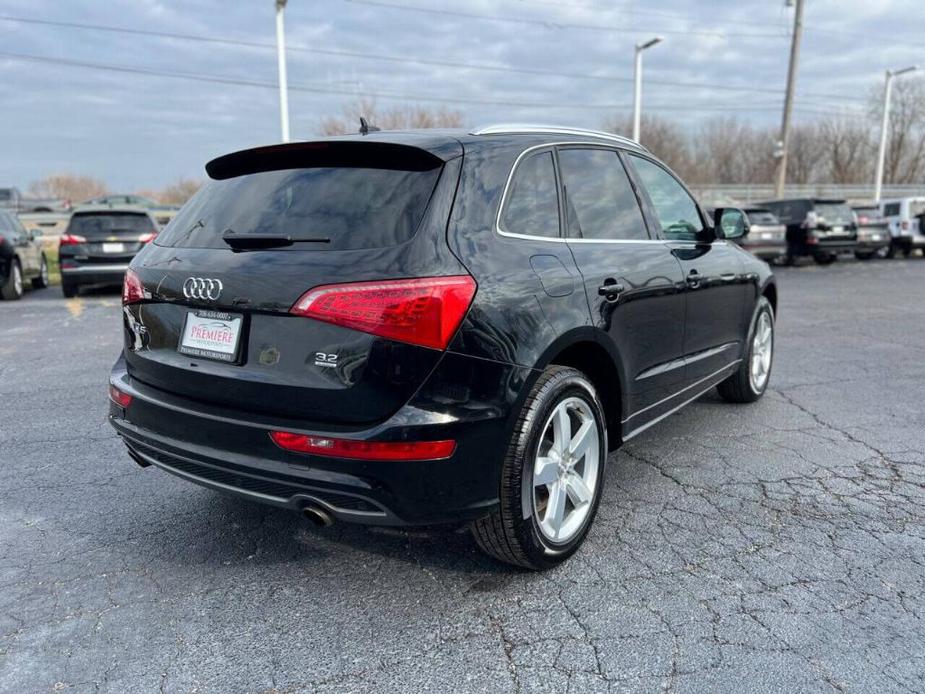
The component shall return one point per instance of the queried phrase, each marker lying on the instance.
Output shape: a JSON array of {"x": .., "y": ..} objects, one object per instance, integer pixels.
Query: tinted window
[
  {"x": 916, "y": 207},
  {"x": 600, "y": 202},
  {"x": 891, "y": 209},
  {"x": 6, "y": 223},
  {"x": 834, "y": 213},
  {"x": 97, "y": 224},
  {"x": 676, "y": 210},
  {"x": 6, "y": 194},
  {"x": 351, "y": 207},
  {"x": 762, "y": 217},
  {"x": 532, "y": 205}
]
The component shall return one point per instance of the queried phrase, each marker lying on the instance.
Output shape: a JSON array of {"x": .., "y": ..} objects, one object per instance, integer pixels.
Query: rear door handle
[{"x": 611, "y": 289}]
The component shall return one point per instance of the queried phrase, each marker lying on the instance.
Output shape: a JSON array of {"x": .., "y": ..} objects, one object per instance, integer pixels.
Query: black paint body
[{"x": 678, "y": 327}]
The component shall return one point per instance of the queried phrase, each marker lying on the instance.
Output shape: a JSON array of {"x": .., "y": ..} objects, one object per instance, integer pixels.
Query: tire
[
  {"x": 69, "y": 289},
  {"x": 740, "y": 387},
  {"x": 884, "y": 252},
  {"x": 867, "y": 255},
  {"x": 12, "y": 290},
  {"x": 890, "y": 251},
  {"x": 41, "y": 281},
  {"x": 520, "y": 530},
  {"x": 824, "y": 258}
]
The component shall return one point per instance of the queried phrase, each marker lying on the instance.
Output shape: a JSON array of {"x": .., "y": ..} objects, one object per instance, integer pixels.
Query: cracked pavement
[{"x": 769, "y": 547}]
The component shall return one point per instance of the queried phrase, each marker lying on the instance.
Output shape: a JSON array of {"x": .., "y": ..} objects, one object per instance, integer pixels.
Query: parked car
[
  {"x": 99, "y": 243},
  {"x": 381, "y": 330},
  {"x": 766, "y": 236},
  {"x": 11, "y": 199},
  {"x": 873, "y": 232},
  {"x": 162, "y": 213},
  {"x": 21, "y": 258},
  {"x": 816, "y": 227},
  {"x": 902, "y": 214}
]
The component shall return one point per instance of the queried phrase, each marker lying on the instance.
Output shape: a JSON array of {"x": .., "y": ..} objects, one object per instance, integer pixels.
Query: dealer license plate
[
  {"x": 211, "y": 335},
  {"x": 113, "y": 248}
]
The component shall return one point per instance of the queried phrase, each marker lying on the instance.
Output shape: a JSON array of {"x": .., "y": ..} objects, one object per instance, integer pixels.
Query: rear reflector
[
  {"x": 71, "y": 240},
  {"x": 425, "y": 311},
  {"x": 363, "y": 450},
  {"x": 132, "y": 289},
  {"x": 118, "y": 397}
]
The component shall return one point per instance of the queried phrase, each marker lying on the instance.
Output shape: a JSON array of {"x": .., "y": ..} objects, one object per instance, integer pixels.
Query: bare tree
[
  {"x": 68, "y": 186},
  {"x": 847, "y": 150},
  {"x": 178, "y": 192},
  {"x": 803, "y": 158},
  {"x": 664, "y": 138},
  {"x": 905, "y": 154},
  {"x": 397, "y": 118}
]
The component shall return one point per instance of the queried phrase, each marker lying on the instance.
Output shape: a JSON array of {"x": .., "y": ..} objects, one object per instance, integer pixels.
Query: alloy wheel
[
  {"x": 762, "y": 347},
  {"x": 565, "y": 471}
]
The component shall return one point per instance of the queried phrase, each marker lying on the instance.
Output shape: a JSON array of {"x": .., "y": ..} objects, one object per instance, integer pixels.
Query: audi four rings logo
[{"x": 202, "y": 288}]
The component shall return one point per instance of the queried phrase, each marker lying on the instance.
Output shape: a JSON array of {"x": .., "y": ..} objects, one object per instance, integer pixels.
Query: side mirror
[{"x": 730, "y": 223}]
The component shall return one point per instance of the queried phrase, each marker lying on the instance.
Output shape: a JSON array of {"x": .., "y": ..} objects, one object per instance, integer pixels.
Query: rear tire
[
  {"x": 69, "y": 289},
  {"x": 41, "y": 281},
  {"x": 538, "y": 476},
  {"x": 12, "y": 290},
  {"x": 824, "y": 258},
  {"x": 863, "y": 256},
  {"x": 743, "y": 386}
]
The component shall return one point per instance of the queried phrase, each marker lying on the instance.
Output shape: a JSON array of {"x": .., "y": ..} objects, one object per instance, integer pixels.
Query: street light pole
[
  {"x": 281, "y": 61},
  {"x": 884, "y": 127},
  {"x": 781, "y": 177},
  {"x": 637, "y": 83}
]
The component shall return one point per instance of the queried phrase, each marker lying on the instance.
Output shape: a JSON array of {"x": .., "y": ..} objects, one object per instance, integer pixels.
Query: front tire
[
  {"x": 751, "y": 379},
  {"x": 824, "y": 258},
  {"x": 552, "y": 476},
  {"x": 864, "y": 256},
  {"x": 69, "y": 289},
  {"x": 12, "y": 290}
]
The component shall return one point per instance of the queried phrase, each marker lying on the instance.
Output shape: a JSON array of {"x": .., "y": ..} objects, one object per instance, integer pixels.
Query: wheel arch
[{"x": 769, "y": 292}]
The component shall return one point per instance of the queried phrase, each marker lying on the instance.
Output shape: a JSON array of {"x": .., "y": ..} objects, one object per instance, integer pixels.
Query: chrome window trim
[{"x": 559, "y": 239}]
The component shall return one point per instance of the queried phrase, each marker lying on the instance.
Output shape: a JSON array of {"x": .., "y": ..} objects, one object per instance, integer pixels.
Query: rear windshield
[
  {"x": 762, "y": 217},
  {"x": 98, "y": 224},
  {"x": 329, "y": 208},
  {"x": 5, "y": 194},
  {"x": 834, "y": 213}
]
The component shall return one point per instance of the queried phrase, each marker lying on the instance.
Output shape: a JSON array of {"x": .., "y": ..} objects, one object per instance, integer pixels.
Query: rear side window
[
  {"x": 891, "y": 209},
  {"x": 676, "y": 210},
  {"x": 101, "y": 224},
  {"x": 340, "y": 207},
  {"x": 600, "y": 201},
  {"x": 916, "y": 207},
  {"x": 762, "y": 217},
  {"x": 532, "y": 204}
]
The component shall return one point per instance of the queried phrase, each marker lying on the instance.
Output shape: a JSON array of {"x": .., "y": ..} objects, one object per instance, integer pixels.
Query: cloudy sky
[{"x": 172, "y": 83}]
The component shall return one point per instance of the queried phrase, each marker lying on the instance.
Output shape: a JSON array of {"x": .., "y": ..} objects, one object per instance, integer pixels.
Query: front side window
[
  {"x": 676, "y": 210},
  {"x": 600, "y": 201},
  {"x": 891, "y": 209},
  {"x": 532, "y": 205}
]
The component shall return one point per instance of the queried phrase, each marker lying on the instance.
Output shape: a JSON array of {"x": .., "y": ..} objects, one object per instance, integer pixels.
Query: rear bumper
[
  {"x": 767, "y": 251},
  {"x": 95, "y": 274},
  {"x": 232, "y": 452}
]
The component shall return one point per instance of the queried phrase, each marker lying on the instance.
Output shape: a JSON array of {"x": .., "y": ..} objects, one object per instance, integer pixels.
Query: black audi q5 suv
[{"x": 423, "y": 327}]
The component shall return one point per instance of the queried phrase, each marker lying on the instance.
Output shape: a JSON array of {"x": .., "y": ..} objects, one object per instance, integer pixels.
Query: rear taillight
[
  {"x": 147, "y": 238},
  {"x": 119, "y": 397},
  {"x": 425, "y": 311},
  {"x": 132, "y": 288},
  {"x": 72, "y": 240},
  {"x": 364, "y": 450}
]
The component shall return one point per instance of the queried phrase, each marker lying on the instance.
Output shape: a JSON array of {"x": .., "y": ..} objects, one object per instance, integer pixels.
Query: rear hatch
[
  {"x": 110, "y": 236},
  {"x": 765, "y": 227},
  {"x": 226, "y": 316},
  {"x": 834, "y": 220}
]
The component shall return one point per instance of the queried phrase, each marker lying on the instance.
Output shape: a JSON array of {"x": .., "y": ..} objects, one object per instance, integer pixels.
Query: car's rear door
[
  {"x": 633, "y": 282},
  {"x": 715, "y": 284}
]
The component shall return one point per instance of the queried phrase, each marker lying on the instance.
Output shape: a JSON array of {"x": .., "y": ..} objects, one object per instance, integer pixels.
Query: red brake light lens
[
  {"x": 118, "y": 397},
  {"x": 72, "y": 240},
  {"x": 425, "y": 311},
  {"x": 147, "y": 238},
  {"x": 132, "y": 289},
  {"x": 364, "y": 450}
]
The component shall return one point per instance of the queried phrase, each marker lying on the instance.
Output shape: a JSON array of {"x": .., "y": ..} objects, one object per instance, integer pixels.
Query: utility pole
[
  {"x": 281, "y": 61},
  {"x": 788, "y": 100},
  {"x": 884, "y": 127},
  {"x": 637, "y": 83}
]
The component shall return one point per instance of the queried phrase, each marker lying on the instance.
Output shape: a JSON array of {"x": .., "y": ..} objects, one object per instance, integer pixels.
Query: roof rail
[{"x": 514, "y": 128}]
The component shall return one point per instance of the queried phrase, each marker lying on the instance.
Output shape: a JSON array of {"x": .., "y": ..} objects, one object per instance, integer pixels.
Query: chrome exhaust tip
[{"x": 318, "y": 516}]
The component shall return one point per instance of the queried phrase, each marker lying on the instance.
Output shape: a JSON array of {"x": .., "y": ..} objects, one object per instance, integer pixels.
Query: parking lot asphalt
[{"x": 769, "y": 547}]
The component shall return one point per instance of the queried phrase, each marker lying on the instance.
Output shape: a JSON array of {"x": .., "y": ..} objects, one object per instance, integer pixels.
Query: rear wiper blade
[{"x": 245, "y": 241}]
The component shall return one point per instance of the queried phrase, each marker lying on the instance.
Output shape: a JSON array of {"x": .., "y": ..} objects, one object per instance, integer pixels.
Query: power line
[
  {"x": 397, "y": 59},
  {"x": 550, "y": 24},
  {"x": 322, "y": 89}
]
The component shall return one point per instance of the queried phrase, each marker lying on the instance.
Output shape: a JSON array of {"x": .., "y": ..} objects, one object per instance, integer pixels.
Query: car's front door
[
  {"x": 21, "y": 242},
  {"x": 714, "y": 275},
  {"x": 632, "y": 281}
]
